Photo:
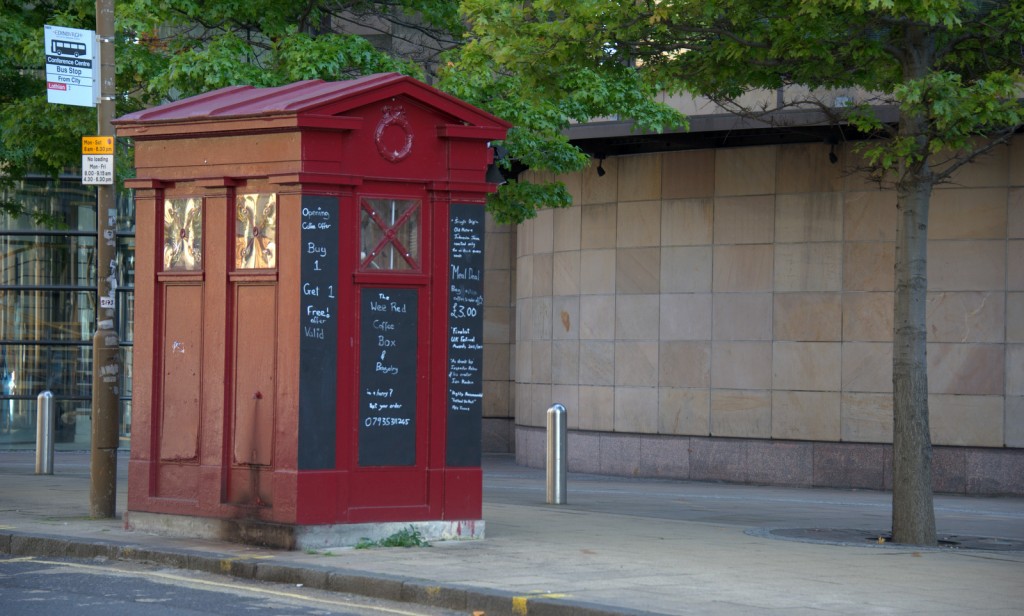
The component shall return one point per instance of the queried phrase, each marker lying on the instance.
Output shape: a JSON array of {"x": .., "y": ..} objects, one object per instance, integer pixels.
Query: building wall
[
  {"x": 499, "y": 338},
  {"x": 727, "y": 314}
]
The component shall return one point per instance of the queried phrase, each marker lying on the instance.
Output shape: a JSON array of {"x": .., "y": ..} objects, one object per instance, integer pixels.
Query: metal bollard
[
  {"x": 45, "y": 419},
  {"x": 556, "y": 462}
]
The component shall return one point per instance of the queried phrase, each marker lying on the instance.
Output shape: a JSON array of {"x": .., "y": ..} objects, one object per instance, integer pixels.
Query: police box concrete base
[{"x": 294, "y": 537}]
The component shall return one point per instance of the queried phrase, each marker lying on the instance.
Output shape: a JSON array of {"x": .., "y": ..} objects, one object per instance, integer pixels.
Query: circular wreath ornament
[{"x": 392, "y": 146}]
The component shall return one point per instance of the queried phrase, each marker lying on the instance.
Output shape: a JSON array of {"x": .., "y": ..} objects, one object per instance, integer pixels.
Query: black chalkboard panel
[
  {"x": 465, "y": 334},
  {"x": 318, "y": 333},
  {"x": 387, "y": 376}
]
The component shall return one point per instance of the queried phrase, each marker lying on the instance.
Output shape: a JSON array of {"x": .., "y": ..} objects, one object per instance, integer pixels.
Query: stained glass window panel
[
  {"x": 256, "y": 231},
  {"x": 183, "y": 234}
]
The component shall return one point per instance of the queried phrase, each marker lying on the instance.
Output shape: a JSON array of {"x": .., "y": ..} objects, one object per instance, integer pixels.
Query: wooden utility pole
[{"x": 106, "y": 361}]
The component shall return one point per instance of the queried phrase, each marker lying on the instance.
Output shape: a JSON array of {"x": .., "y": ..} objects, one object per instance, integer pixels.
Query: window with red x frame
[{"x": 390, "y": 235}]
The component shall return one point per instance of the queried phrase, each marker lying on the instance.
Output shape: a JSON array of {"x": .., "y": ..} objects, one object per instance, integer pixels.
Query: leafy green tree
[
  {"x": 34, "y": 136},
  {"x": 950, "y": 68},
  {"x": 494, "y": 70},
  {"x": 169, "y": 49},
  {"x": 186, "y": 47}
]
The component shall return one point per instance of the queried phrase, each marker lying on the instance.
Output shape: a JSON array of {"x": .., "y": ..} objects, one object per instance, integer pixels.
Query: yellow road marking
[
  {"x": 225, "y": 563},
  {"x": 520, "y": 605}
]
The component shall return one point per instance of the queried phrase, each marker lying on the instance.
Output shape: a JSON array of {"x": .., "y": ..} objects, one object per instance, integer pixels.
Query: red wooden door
[{"x": 391, "y": 345}]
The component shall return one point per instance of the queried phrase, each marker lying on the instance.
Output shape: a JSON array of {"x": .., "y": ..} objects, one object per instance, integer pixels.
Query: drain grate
[{"x": 869, "y": 538}]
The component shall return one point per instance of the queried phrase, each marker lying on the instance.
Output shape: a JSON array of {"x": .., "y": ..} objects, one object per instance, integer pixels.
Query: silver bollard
[
  {"x": 46, "y": 415},
  {"x": 556, "y": 462}
]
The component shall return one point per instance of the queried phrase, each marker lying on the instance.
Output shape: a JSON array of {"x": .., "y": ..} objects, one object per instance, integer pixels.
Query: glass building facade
[{"x": 48, "y": 309}]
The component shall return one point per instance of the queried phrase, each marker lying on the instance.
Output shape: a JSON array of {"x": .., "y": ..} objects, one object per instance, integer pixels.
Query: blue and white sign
[{"x": 71, "y": 66}]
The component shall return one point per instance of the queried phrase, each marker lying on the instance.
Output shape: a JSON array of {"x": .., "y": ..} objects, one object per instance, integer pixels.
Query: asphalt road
[{"x": 58, "y": 587}]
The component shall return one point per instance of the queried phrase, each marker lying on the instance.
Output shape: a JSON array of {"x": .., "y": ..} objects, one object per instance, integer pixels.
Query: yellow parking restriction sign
[{"x": 98, "y": 145}]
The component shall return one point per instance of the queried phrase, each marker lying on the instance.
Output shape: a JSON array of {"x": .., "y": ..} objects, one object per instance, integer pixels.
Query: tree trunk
[{"x": 913, "y": 512}]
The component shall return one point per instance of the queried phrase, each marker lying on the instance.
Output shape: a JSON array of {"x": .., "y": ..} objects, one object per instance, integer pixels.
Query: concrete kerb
[
  {"x": 17, "y": 544},
  {"x": 378, "y": 586},
  {"x": 544, "y": 606}
]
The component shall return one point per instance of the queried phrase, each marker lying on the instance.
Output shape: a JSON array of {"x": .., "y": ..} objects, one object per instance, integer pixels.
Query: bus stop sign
[{"x": 70, "y": 66}]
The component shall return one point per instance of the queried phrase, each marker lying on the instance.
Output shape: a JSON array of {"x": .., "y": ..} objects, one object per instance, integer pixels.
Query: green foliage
[
  {"x": 547, "y": 64},
  {"x": 34, "y": 136},
  {"x": 542, "y": 65},
  {"x": 951, "y": 67},
  {"x": 301, "y": 56},
  {"x": 536, "y": 68},
  {"x": 518, "y": 201},
  {"x": 168, "y": 49},
  {"x": 406, "y": 538},
  {"x": 186, "y": 48}
]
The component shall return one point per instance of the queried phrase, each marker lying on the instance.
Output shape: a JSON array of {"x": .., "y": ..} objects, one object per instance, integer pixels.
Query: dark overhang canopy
[{"x": 723, "y": 130}]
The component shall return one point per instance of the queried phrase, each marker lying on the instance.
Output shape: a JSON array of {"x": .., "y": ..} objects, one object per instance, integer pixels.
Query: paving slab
[{"x": 618, "y": 546}]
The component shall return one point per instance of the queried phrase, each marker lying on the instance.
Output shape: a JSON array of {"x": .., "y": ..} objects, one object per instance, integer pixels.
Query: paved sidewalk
[{"x": 620, "y": 545}]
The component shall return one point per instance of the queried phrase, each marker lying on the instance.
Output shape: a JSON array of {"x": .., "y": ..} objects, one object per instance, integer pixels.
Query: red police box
[{"x": 309, "y": 310}]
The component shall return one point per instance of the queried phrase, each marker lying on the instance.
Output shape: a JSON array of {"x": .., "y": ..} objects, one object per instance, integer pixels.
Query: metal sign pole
[{"x": 106, "y": 363}]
